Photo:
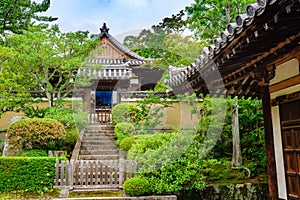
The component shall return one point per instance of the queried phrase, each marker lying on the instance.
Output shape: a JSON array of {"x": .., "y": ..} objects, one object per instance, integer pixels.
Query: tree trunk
[{"x": 48, "y": 95}]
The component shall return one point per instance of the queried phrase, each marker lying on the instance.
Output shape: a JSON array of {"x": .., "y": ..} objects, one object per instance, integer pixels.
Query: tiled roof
[
  {"x": 109, "y": 73},
  {"x": 230, "y": 33},
  {"x": 116, "y": 61}
]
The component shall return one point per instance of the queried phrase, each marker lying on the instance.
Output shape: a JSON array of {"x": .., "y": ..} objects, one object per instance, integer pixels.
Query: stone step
[
  {"x": 99, "y": 157},
  {"x": 99, "y": 152},
  {"x": 99, "y": 138},
  {"x": 99, "y": 134},
  {"x": 98, "y": 142},
  {"x": 99, "y": 147},
  {"x": 100, "y": 127}
]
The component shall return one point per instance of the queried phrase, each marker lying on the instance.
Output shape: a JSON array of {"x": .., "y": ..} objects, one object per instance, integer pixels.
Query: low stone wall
[
  {"x": 170, "y": 197},
  {"x": 2, "y": 138},
  {"x": 246, "y": 191}
]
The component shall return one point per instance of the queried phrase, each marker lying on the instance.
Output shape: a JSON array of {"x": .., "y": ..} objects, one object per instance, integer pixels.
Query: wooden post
[
  {"x": 57, "y": 172},
  {"x": 269, "y": 137},
  {"x": 236, "y": 147},
  {"x": 121, "y": 171},
  {"x": 62, "y": 173}
]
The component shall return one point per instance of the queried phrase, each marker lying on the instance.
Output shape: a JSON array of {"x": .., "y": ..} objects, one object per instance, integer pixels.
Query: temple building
[
  {"x": 121, "y": 72},
  {"x": 258, "y": 56}
]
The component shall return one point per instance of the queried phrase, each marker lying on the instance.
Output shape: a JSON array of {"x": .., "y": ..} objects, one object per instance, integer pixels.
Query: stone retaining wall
[
  {"x": 246, "y": 191},
  {"x": 170, "y": 197}
]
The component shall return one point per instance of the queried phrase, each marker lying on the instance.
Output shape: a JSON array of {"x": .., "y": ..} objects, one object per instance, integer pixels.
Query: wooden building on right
[{"x": 258, "y": 56}]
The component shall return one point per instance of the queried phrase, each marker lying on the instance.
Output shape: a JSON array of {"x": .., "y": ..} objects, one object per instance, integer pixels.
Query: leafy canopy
[
  {"x": 207, "y": 18},
  {"x": 49, "y": 58},
  {"x": 18, "y": 15}
]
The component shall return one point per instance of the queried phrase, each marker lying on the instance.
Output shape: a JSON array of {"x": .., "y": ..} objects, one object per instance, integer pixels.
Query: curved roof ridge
[{"x": 231, "y": 32}]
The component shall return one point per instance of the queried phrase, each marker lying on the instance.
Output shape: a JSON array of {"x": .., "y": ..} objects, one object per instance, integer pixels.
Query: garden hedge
[
  {"x": 33, "y": 133},
  {"x": 27, "y": 173}
]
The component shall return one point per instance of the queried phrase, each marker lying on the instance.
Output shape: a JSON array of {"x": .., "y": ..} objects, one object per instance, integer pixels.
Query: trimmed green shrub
[
  {"x": 33, "y": 153},
  {"x": 33, "y": 133},
  {"x": 151, "y": 142},
  {"x": 123, "y": 130},
  {"x": 127, "y": 143},
  {"x": 137, "y": 186},
  {"x": 122, "y": 112},
  {"x": 24, "y": 173}
]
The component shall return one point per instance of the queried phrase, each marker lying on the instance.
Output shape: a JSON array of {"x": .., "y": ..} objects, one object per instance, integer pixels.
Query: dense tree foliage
[
  {"x": 206, "y": 18},
  {"x": 48, "y": 58},
  {"x": 18, "y": 15},
  {"x": 12, "y": 92},
  {"x": 149, "y": 43},
  {"x": 166, "y": 48},
  {"x": 176, "y": 22}
]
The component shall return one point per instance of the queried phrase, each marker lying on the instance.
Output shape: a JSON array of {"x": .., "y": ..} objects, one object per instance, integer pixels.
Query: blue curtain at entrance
[{"x": 103, "y": 98}]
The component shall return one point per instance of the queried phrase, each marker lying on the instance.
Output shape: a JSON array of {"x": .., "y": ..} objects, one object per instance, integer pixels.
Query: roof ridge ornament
[{"x": 104, "y": 28}]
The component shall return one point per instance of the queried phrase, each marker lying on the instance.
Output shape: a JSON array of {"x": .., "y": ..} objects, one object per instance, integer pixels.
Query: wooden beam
[
  {"x": 287, "y": 41},
  {"x": 269, "y": 137},
  {"x": 285, "y": 84}
]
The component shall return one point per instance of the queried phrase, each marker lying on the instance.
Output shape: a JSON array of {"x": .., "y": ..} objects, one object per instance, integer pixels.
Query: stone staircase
[{"x": 98, "y": 143}]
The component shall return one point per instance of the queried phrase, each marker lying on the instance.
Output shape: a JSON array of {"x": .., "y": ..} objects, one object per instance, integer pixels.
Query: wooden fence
[
  {"x": 102, "y": 116},
  {"x": 93, "y": 173}
]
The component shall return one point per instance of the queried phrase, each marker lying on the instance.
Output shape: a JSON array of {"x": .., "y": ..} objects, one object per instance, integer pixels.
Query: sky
[{"x": 123, "y": 17}]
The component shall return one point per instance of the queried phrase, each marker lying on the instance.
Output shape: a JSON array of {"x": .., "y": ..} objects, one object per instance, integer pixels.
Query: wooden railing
[
  {"x": 93, "y": 173},
  {"x": 101, "y": 115}
]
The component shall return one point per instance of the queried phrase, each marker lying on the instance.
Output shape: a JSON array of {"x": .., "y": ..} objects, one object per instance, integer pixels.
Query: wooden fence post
[
  {"x": 56, "y": 172},
  {"x": 121, "y": 171}
]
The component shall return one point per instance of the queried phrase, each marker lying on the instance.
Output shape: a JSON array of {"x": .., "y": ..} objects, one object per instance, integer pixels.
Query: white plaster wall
[
  {"x": 282, "y": 192},
  {"x": 285, "y": 71}
]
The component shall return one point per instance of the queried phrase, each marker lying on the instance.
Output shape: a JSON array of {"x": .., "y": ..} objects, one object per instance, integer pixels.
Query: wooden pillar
[{"x": 269, "y": 137}]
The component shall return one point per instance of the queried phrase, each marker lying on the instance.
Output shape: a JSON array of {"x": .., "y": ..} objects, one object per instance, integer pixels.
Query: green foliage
[
  {"x": 149, "y": 43},
  {"x": 149, "y": 113},
  {"x": 221, "y": 169},
  {"x": 12, "y": 92},
  {"x": 150, "y": 142},
  {"x": 35, "y": 112},
  {"x": 63, "y": 113},
  {"x": 176, "y": 23},
  {"x": 251, "y": 133},
  {"x": 33, "y": 153},
  {"x": 123, "y": 130},
  {"x": 27, "y": 174},
  {"x": 174, "y": 166},
  {"x": 167, "y": 48},
  {"x": 126, "y": 143},
  {"x": 69, "y": 142},
  {"x": 207, "y": 18},
  {"x": 16, "y": 16},
  {"x": 122, "y": 113},
  {"x": 33, "y": 133},
  {"x": 137, "y": 186},
  {"x": 189, "y": 160},
  {"x": 48, "y": 58}
]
